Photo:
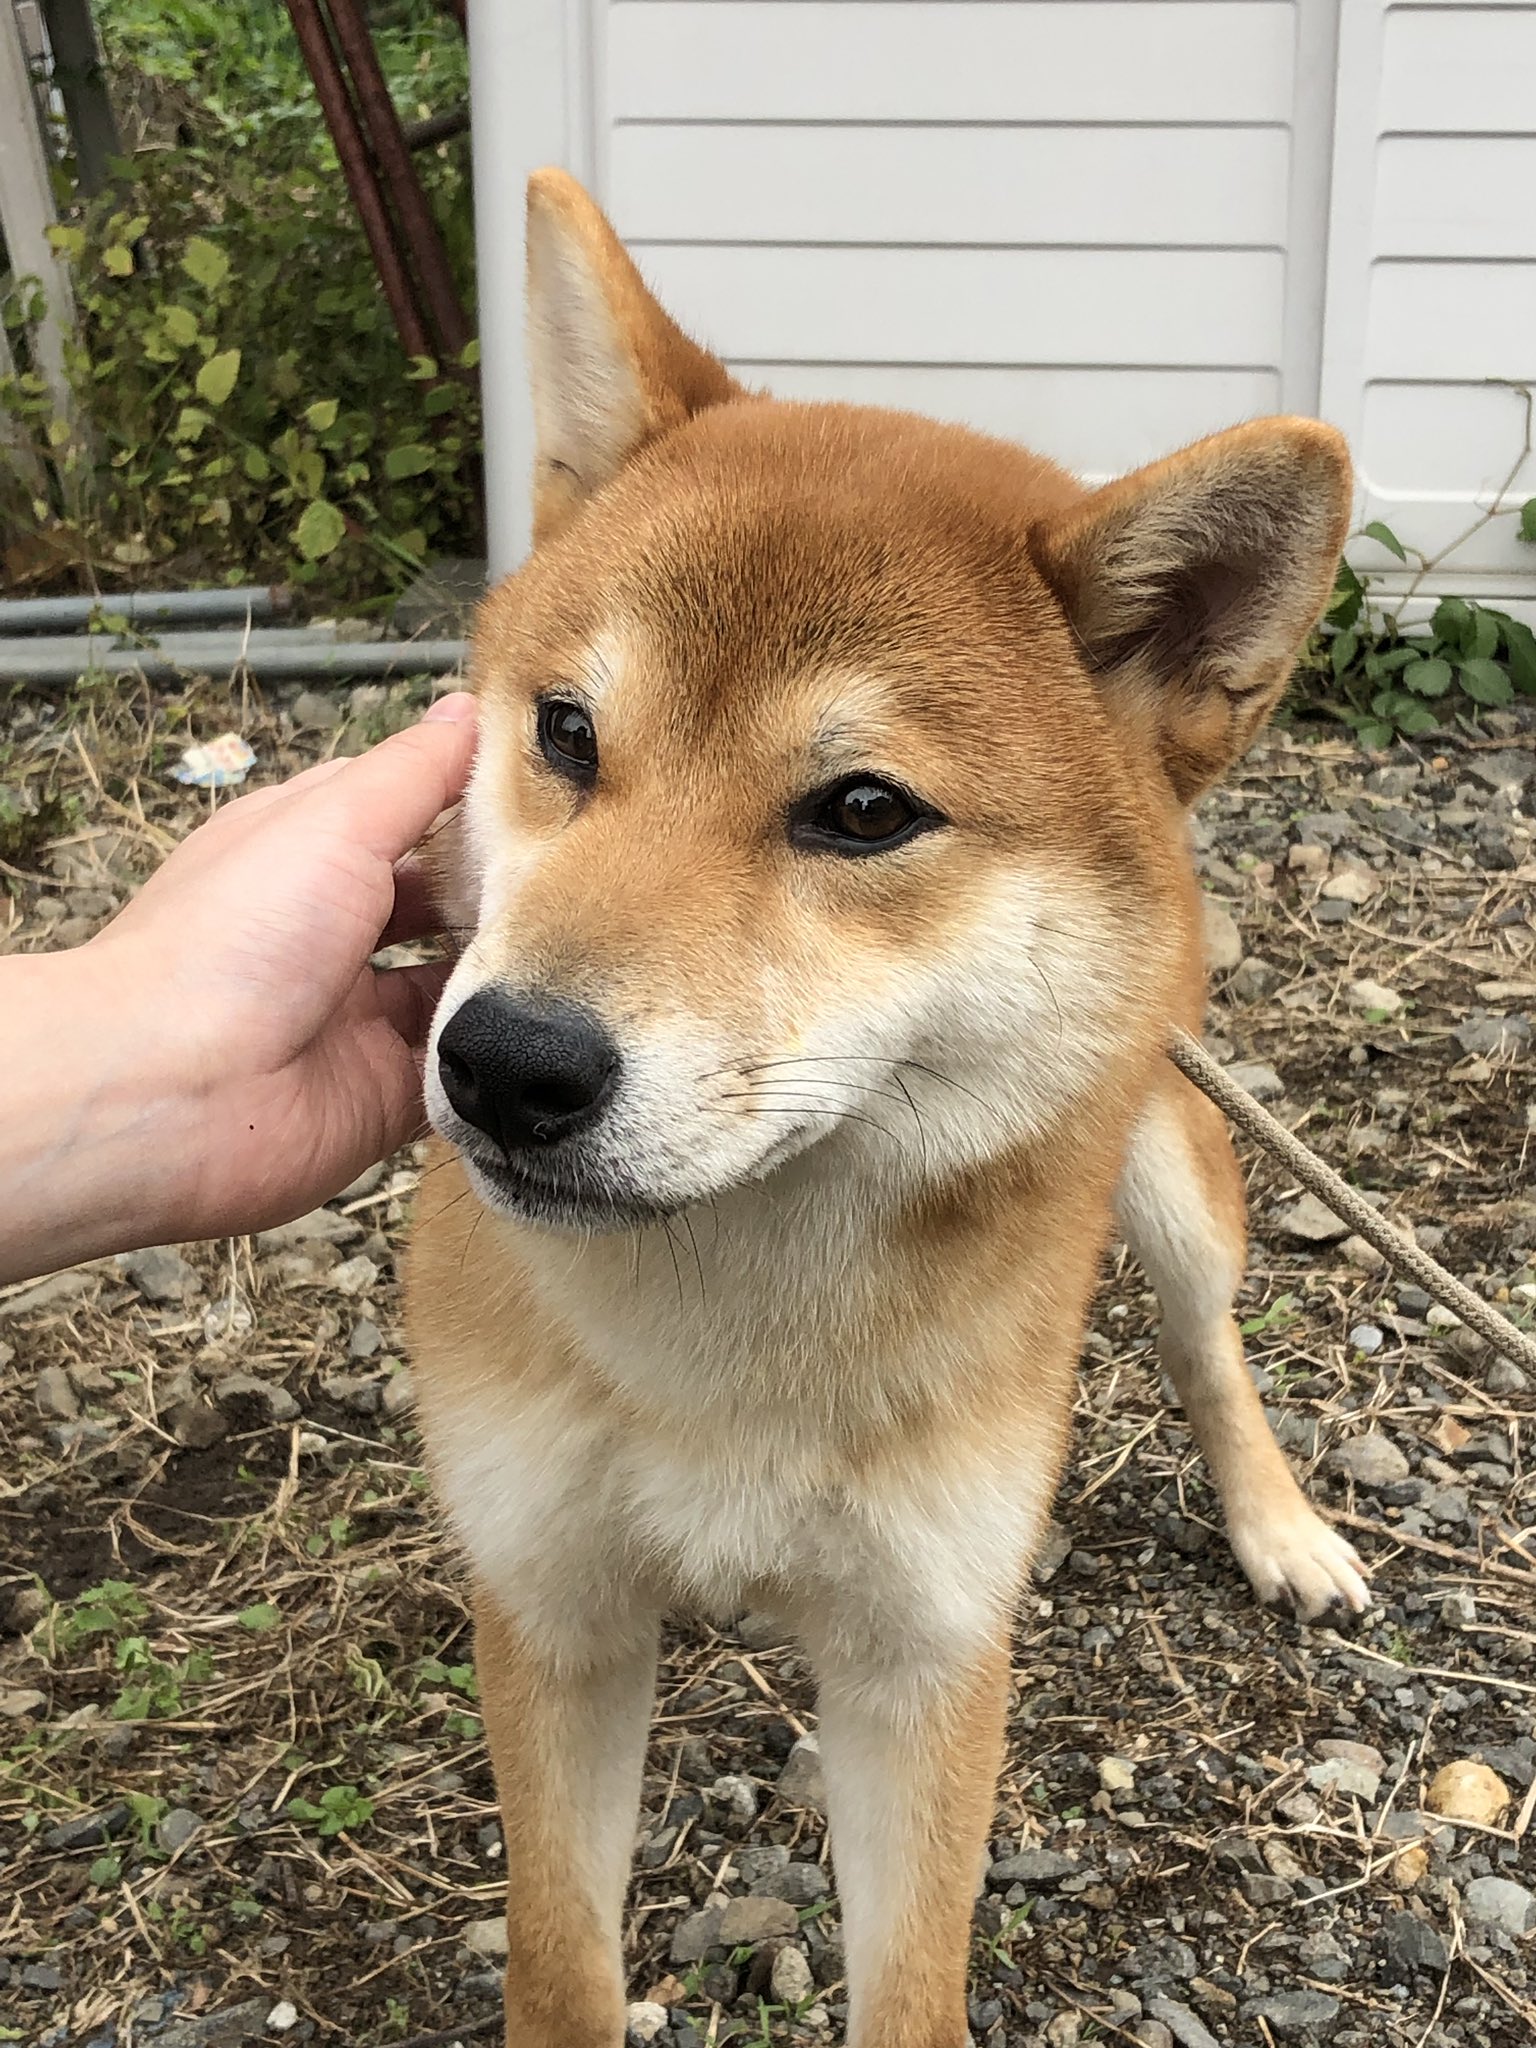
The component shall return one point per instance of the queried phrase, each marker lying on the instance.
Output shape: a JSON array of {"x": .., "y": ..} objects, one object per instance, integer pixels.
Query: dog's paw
[{"x": 1296, "y": 1557}]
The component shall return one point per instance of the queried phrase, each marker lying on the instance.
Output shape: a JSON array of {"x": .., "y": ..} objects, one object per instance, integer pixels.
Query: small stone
[
  {"x": 485, "y": 1937},
  {"x": 1253, "y": 979},
  {"x": 800, "y": 1781},
  {"x": 1223, "y": 941},
  {"x": 317, "y": 710},
  {"x": 228, "y": 1319},
  {"x": 354, "y": 1276},
  {"x": 1308, "y": 861},
  {"x": 1185, "y": 2027},
  {"x": 87, "y": 1830},
  {"x": 801, "y": 1884},
  {"x": 1310, "y": 1221},
  {"x": 747, "y": 1921},
  {"x": 322, "y": 1226},
  {"x": 1501, "y": 1903},
  {"x": 284, "y": 2014},
  {"x": 1362, "y": 1255},
  {"x": 1055, "y": 1548},
  {"x": 1493, "y": 1037},
  {"x": 1363, "y": 1753},
  {"x": 1344, "y": 1775},
  {"x": 643, "y": 2021},
  {"x": 1350, "y": 884},
  {"x": 1466, "y": 1790},
  {"x": 196, "y": 1424},
  {"x": 1366, "y": 1338},
  {"x": 176, "y": 1828},
  {"x": 55, "y": 1394},
  {"x": 161, "y": 1274},
  {"x": 1295, "y": 2015},
  {"x": 1408, "y": 1866},
  {"x": 1258, "y": 1078},
  {"x": 41, "y": 1977},
  {"x": 694, "y": 1936},
  {"x": 365, "y": 1339},
  {"x": 735, "y": 1796},
  {"x": 1371, "y": 1460},
  {"x": 18, "y": 1701},
  {"x": 790, "y": 1981},
  {"x": 54, "y": 1292},
  {"x": 1116, "y": 1775},
  {"x": 399, "y": 1393},
  {"x": 1505, "y": 1377},
  {"x": 1033, "y": 1866},
  {"x": 1373, "y": 995},
  {"x": 237, "y": 1387},
  {"x": 1414, "y": 1943}
]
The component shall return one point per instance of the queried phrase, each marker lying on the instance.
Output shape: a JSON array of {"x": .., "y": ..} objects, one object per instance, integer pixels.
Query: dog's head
[{"x": 833, "y": 766}]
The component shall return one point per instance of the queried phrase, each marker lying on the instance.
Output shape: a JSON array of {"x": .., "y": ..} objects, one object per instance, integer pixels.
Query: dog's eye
[
  {"x": 568, "y": 737},
  {"x": 860, "y": 815}
]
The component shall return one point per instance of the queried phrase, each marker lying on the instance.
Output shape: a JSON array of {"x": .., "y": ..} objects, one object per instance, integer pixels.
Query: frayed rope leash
[{"x": 1196, "y": 1064}]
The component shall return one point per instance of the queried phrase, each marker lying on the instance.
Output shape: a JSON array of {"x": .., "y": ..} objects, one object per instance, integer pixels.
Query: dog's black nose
[{"x": 526, "y": 1070}]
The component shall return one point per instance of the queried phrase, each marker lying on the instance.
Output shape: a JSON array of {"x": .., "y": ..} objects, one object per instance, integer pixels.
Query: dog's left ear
[
  {"x": 1192, "y": 584},
  {"x": 610, "y": 368}
]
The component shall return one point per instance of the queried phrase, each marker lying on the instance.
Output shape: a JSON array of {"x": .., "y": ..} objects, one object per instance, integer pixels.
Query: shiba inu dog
[{"x": 826, "y": 871}]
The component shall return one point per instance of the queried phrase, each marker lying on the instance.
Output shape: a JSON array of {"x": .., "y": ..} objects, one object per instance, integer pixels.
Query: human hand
[{"x": 233, "y": 1058}]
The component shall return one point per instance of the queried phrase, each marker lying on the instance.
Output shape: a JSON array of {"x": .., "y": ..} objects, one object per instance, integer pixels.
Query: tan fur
[{"x": 874, "y": 1112}]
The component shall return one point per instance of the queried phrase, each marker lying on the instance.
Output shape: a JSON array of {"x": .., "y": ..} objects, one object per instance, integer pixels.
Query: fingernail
[{"x": 456, "y": 707}]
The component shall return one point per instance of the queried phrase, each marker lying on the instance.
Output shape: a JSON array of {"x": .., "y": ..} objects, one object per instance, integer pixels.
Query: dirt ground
[{"x": 243, "y": 1791}]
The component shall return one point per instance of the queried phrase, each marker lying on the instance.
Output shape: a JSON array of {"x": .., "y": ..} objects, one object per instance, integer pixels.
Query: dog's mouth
[{"x": 560, "y": 1194}]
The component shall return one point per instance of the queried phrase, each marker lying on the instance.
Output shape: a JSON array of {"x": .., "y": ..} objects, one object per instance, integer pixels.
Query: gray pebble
[{"x": 1501, "y": 1903}]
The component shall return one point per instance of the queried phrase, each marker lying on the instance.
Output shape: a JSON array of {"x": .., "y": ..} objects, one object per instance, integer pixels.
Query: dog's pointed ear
[
  {"x": 609, "y": 369},
  {"x": 1191, "y": 585}
]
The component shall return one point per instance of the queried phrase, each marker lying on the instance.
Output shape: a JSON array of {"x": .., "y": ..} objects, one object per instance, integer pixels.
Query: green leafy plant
[
  {"x": 1279, "y": 1316},
  {"x": 1386, "y": 679},
  {"x": 243, "y": 407},
  {"x": 106, "y": 1609},
  {"x": 154, "y": 1688},
  {"x": 341, "y": 1809}
]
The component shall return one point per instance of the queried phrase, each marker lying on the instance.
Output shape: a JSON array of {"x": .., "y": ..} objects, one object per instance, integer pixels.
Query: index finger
[{"x": 385, "y": 799}]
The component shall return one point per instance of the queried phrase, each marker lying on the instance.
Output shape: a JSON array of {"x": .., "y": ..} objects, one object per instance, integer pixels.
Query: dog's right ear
[{"x": 610, "y": 370}]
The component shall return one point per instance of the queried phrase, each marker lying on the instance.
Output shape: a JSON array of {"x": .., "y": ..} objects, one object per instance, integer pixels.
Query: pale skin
[{"x": 222, "y": 1057}]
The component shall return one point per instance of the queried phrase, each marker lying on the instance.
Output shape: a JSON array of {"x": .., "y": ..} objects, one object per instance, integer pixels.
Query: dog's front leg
[
  {"x": 912, "y": 1752},
  {"x": 567, "y": 1726}
]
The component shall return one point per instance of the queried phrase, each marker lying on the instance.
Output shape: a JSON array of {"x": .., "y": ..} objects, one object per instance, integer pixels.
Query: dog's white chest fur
[{"x": 741, "y": 1463}]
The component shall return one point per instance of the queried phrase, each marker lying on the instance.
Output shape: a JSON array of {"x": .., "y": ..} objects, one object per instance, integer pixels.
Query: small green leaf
[
  {"x": 319, "y": 531},
  {"x": 256, "y": 466},
  {"x": 1485, "y": 682},
  {"x": 1385, "y": 537},
  {"x": 1528, "y": 520},
  {"x": 205, "y": 263},
  {"x": 180, "y": 324},
  {"x": 1485, "y": 633},
  {"x": 322, "y": 414},
  {"x": 1343, "y": 650},
  {"x": 259, "y": 1618},
  {"x": 1429, "y": 678},
  {"x": 106, "y": 1869},
  {"x": 1453, "y": 623},
  {"x": 410, "y": 460},
  {"x": 191, "y": 422},
  {"x": 1520, "y": 650},
  {"x": 117, "y": 261},
  {"x": 216, "y": 379},
  {"x": 1416, "y": 719}
]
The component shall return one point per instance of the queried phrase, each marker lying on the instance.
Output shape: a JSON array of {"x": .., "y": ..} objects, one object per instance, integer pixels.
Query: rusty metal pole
[
  {"x": 386, "y": 137},
  {"x": 352, "y": 151}
]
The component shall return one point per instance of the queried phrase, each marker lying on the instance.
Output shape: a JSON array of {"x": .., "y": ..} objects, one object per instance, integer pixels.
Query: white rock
[
  {"x": 790, "y": 1981},
  {"x": 284, "y": 2014},
  {"x": 1223, "y": 940},
  {"x": 801, "y": 1782},
  {"x": 1350, "y": 885},
  {"x": 1500, "y": 1902},
  {"x": 643, "y": 2021},
  {"x": 1370, "y": 1460},
  {"x": 486, "y": 1938},
  {"x": 354, "y": 1276},
  {"x": 1311, "y": 1221},
  {"x": 1258, "y": 1077},
  {"x": 1373, "y": 995},
  {"x": 1115, "y": 1774}
]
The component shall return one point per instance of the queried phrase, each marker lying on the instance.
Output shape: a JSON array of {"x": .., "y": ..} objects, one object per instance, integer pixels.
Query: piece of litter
[{"x": 223, "y": 763}]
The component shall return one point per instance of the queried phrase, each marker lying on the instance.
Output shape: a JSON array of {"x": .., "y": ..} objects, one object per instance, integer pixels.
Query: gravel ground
[{"x": 243, "y": 1792}]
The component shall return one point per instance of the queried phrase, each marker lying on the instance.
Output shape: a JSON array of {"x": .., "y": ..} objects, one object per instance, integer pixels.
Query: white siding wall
[
  {"x": 1099, "y": 226},
  {"x": 1061, "y": 220},
  {"x": 1432, "y": 274}
]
